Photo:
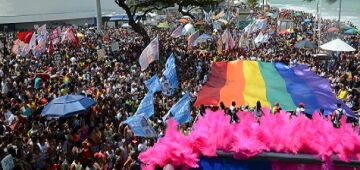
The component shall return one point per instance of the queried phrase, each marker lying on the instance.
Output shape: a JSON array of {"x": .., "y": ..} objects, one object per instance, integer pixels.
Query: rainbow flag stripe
[{"x": 247, "y": 82}]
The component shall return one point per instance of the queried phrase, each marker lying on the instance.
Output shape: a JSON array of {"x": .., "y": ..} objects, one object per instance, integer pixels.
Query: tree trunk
[
  {"x": 185, "y": 13},
  {"x": 137, "y": 27}
]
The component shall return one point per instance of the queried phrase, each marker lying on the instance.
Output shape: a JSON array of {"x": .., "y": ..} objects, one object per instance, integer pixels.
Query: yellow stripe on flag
[{"x": 255, "y": 88}]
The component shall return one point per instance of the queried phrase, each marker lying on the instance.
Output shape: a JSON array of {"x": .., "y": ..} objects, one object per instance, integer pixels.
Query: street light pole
[
  {"x": 98, "y": 15},
  {"x": 319, "y": 22},
  {"x": 339, "y": 14}
]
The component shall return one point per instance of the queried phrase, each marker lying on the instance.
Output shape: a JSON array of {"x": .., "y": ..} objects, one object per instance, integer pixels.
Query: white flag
[
  {"x": 32, "y": 43},
  {"x": 150, "y": 54},
  {"x": 179, "y": 31}
]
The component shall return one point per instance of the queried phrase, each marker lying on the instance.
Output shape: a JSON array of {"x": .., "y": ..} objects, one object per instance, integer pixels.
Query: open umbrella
[
  {"x": 202, "y": 38},
  {"x": 307, "y": 20},
  {"x": 333, "y": 29},
  {"x": 200, "y": 23},
  {"x": 184, "y": 20},
  {"x": 305, "y": 44},
  {"x": 68, "y": 105},
  {"x": 337, "y": 45},
  {"x": 163, "y": 25},
  {"x": 286, "y": 31},
  {"x": 351, "y": 31},
  {"x": 297, "y": 14}
]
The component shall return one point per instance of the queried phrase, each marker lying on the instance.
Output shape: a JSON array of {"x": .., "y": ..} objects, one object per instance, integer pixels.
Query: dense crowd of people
[{"x": 98, "y": 139}]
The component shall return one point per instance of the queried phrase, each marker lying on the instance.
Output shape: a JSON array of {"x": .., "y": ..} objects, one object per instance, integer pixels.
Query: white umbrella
[
  {"x": 337, "y": 45},
  {"x": 189, "y": 28}
]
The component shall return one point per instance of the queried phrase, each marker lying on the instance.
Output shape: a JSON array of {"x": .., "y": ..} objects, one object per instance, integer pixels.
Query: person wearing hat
[{"x": 300, "y": 109}]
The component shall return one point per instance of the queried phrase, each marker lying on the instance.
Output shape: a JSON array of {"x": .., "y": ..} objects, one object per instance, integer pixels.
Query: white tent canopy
[{"x": 337, "y": 45}]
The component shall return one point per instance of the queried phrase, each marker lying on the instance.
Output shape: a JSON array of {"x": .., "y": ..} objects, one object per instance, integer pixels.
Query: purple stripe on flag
[{"x": 321, "y": 88}]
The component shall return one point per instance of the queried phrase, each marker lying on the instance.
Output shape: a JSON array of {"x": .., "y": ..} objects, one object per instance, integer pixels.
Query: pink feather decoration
[{"x": 247, "y": 138}]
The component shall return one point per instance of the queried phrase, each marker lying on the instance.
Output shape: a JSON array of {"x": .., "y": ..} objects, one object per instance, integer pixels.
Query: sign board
[
  {"x": 115, "y": 46},
  {"x": 7, "y": 163}
]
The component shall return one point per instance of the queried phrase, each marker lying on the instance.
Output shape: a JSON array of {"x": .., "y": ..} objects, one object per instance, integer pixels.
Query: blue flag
[
  {"x": 140, "y": 126},
  {"x": 146, "y": 106},
  {"x": 170, "y": 82},
  {"x": 153, "y": 84},
  {"x": 170, "y": 71},
  {"x": 180, "y": 111}
]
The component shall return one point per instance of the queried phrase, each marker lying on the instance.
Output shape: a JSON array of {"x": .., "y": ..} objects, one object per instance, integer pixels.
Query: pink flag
[
  {"x": 55, "y": 35},
  {"x": 68, "y": 36},
  {"x": 16, "y": 47},
  {"x": 179, "y": 31},
  {"x": 228, "y": 40},
  {"x": 150, "y": 54},
  {"x": 192, "y": 38}
]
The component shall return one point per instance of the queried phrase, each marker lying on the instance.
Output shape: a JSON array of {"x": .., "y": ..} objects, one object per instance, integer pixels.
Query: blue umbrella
[
  {"x": 351, "y": 31},
  {"x": 202, "y": 37},
  {"x": 307, "y": 20},
  {"x": 68, "y": 105}
]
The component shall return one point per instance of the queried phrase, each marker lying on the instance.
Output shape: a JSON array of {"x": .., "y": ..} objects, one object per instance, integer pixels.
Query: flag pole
[
  {"x": 340, "y": 1},
  {"x": 319, "y": 23},
  {"x": 98, "y": 15}
]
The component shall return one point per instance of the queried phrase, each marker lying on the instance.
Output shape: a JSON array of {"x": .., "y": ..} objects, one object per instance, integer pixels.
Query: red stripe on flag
[{"x": 210, "y": 93}]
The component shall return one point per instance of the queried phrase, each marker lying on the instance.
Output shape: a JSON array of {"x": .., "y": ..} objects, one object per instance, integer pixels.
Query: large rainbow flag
[{"x": 246, "y": 82}]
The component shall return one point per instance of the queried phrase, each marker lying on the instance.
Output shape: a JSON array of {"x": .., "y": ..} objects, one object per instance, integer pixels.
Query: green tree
[
  {"x": 191, "y": 4},
  {"x": 252, "y": 3},
  {"x": 131, "y": 7}
]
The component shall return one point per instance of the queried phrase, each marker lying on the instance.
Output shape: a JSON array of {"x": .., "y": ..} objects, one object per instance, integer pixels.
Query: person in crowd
[
  {"x": 300, "y": 109},
  {"x": 276, "y": 108},
  {"x": 97, "y": 139},
  {"x": 258, "y": 110},
  {"x": 337, "y": 115}
]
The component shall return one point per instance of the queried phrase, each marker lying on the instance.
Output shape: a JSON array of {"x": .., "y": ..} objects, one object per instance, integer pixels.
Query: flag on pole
[
  {"x": 42, "y": 34},
  {"x": 55, "y": 35},
  {"x": 179, "y": 31},
  {"x": 170, "y": 71},
  {"x": 16, "y": 47},
  {"x": 25, "y": 36},
  {"x": 153, "y": 84},
  {"x": 150, "y": 54},
  {"x": 228, "y": 40},
  {"x": 51, "y": 48},
  {"x": 146, "y": 106},
  {"x": 32, "y": 42},
  {"x": 69, "y": 36},
  {"x": 181, "y": 110},
  {"x": 192, "y": 38},
  {"x": 140, "y": 126}
]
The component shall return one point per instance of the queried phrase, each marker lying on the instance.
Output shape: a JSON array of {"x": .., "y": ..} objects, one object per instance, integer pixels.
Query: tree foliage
[
  {"x": 132, "y": 7},
  {"x": 252, "y": 3}
]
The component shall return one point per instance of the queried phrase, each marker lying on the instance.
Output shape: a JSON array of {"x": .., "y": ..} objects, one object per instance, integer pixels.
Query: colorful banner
[{"x": 247, "y": 82}]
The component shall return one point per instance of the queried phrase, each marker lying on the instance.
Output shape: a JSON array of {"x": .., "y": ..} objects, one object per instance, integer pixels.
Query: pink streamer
[{"x": 278, "y": 133}]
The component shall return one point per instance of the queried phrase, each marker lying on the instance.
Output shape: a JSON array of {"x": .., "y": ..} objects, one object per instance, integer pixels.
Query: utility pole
[
  {"x": 98, "y": 16},
  {"x": 319, "y": 23},
  {"x": 340, "y": 1}
]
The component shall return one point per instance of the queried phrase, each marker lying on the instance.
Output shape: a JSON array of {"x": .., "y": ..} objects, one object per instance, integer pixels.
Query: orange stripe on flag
[{"x": 235, "y": 84}]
